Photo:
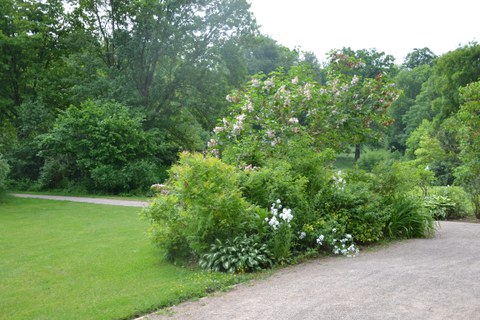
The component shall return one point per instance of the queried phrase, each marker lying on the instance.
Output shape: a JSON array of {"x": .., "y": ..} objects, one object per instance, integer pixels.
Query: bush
[
  {"x": 101, "y": 147},
  {"x": 201, "y": 203},
  {"x": 458, "y": 197},
  {"x": 439, "y": 206},
  {"x": 4, "y": 170},
  {"x": 361, "y": 211},
  {"x": 264, "y": 186},
  {"x": 409, "y": 219},
  {"x": 371, "y": 158},
  {"x": 242, "y": 254}
]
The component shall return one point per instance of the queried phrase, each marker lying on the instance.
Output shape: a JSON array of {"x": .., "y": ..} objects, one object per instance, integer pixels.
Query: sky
[{"x": 395, "y": 27}]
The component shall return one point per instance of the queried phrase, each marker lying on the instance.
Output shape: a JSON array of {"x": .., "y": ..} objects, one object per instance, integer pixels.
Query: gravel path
[
  {"x": 435, "y": 278},
  {"x": 113, "y": 202}
]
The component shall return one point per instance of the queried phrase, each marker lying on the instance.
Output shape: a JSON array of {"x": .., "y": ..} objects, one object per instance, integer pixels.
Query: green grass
[
  {"x": 64, "y": 260},
  {"x": 344, "y": 161}
]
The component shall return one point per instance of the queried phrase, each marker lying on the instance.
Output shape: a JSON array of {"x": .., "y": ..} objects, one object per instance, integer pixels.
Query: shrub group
[{"x": 265, "y": 190}]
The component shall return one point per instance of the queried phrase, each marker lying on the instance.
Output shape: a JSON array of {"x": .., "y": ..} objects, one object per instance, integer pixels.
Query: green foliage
[
  {"x": 371, "y": 158},
  {"x": 468, "y": 119},
  {"x": 283, "y": 107},
  {"x": 409, "y": 219},
  {"x": 241, "y": 254},
  {"x": 458, "y": 196},
  {"x": 202, "y": 203},
  {"x": 263, "y": 186},
  {"x": 419, "y": 57},
  {"x": 361, "y": 211},
  {"x": 4, "y": 170},
  {"x": 100, "y": 146},
  {"x": 440, "y": 207}
]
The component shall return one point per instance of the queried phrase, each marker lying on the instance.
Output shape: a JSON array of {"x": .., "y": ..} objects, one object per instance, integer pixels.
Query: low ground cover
[{"x": 62, "y": 260}]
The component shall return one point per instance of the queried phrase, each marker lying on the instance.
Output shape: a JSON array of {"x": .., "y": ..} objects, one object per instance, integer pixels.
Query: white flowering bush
[
  {"x": 279, "y": 220},
  {"x": 337, "y": 243},
  {"x": 273, "y": 110}
]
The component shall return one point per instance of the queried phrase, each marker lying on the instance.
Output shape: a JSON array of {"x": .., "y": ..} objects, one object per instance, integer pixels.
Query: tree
[
  {"x": 469, "y": 121},
  {"x": 373, "y": 65},
  {"x": 29, "y": 45},
  {"x": 419, "y": 57},
  {"x": 410, "y": 81},
  {"x": 283, "y": 107}
]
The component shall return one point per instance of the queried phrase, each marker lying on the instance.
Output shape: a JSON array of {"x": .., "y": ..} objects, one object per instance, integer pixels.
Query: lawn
[{"x": 64, "y": 260}]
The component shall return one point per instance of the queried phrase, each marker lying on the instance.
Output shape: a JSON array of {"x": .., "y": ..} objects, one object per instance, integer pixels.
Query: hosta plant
[{"x": 242, "y": 254}]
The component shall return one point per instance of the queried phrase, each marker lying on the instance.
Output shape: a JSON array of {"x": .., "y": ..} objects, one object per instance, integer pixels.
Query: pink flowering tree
[{"x": 275, "y": 111}]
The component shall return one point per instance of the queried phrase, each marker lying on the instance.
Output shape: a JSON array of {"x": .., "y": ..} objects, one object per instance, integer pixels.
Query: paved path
[
  {"x": 435, "y": 278},
  {"x": 113, "y": 202}
]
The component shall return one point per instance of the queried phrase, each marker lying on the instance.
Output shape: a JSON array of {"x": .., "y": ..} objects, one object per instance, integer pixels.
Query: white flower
[
  {"x": 271, "y": 134},
  {"x": 321, "y": 237},
  {"x": 293, "y": 120},
  {"x": 295, "y": 80},
  {"x": 348, "y": 236},
  {"x": 286, "y": 215},
  {"x": 354, "y": 80},
  {"x": 307, "y": 92},
  {"x": 229, "y": 98},
  {"x": 302, "y": 235},
  {"x": 334, "y": 230},
  {"x": 218, "y": 129},
  {"x": 216, "y": 153},
  {"x": 255, "y": 83},
  {"x": 269, "y": 84},
  {"x": 237, "y": 127},
  {"x": 212, "y": 143},
  {"x": 241, "y": 117},
  {"x": 278, "y": 201},
  {"x": 249, "y": 107}
]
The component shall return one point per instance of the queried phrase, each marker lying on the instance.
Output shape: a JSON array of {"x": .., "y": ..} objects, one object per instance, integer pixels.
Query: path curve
[
  {"x": 113, "y": 202},
  {"x": 436, "y": 278}
]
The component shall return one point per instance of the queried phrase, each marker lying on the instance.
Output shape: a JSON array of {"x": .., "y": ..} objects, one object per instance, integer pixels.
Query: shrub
[
  {"x": 242, "y": 254},
  {"x": 439, "y": 206},
  {"x": 409, "y": 219},
  {"x": 458, "y": 196},
  {"x": 373, "y": 157},
  {"x": 279, "y": 220},
  {"x": 4, "y": 169},
  {"x": 100, "y": 146},
  {"x": 263, "y": 186},
  {"x": 202, "y": 203}
]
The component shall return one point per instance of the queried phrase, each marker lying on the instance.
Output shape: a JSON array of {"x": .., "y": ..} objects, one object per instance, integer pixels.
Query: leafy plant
[
  {"x": 4, "y": 169},
  {"x": 409, "y": 219},
  {"x": 241, "y": 254},
  {"x": 439, "y": 206},
  {"x": 201, "y": 202}
]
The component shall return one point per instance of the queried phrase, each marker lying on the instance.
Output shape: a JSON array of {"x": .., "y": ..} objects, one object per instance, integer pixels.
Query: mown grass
[
  {"x": 64, "y": 260},
  {"x": 344, "y": 161}
]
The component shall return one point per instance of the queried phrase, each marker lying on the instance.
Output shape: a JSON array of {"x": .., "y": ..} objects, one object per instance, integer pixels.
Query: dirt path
[
  {"x": 113, "y": 202},
  {"x": 435, "y": 278}
]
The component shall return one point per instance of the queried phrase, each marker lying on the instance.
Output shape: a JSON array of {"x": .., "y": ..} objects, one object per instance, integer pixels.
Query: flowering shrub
[
  {"x": 274, "y": 110},
  {"x": 340, "y": 245},
  {"x": 279, "y": 220}
]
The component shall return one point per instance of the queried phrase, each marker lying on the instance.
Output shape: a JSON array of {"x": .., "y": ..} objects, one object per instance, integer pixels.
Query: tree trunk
[{"x": 357, "y": 152}]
